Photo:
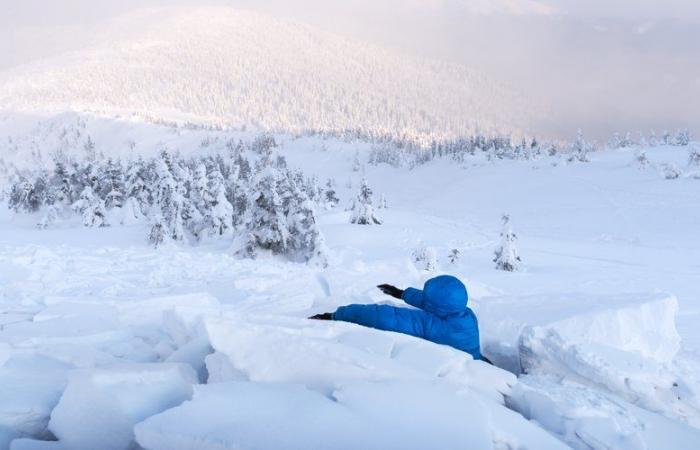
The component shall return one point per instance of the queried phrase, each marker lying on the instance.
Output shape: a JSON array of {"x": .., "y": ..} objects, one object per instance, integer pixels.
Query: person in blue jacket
[{"x": 442, "y": 315}]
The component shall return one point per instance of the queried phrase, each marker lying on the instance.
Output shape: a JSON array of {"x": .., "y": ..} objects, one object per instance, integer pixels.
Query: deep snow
[{"x": 602, "y": 317}]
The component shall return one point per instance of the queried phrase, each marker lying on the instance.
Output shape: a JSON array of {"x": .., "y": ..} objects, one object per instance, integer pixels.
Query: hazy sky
[{"x": 601, "y": 65}]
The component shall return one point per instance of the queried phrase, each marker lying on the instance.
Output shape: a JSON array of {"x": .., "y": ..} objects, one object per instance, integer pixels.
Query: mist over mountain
[{"x": 248, "y": 69}]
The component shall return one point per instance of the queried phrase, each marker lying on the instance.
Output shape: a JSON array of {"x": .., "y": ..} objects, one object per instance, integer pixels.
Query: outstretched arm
[
  {"x": 413, "y": 297},
  {"x": 383, "y": 317}
]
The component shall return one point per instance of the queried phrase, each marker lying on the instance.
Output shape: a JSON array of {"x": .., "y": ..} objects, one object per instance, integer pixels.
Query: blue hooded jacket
[{"x": 442, "y": 315}]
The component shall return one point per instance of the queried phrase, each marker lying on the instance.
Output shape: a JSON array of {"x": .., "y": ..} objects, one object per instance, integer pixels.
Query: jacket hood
[{"x": 444, "y": 295}]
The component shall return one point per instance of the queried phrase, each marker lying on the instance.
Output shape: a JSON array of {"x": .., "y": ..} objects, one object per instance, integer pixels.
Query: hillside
[{"x": 247, "y": 69}]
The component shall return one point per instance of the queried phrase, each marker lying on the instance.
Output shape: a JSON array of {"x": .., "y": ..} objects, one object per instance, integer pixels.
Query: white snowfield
[{"x": 107, "y": 343}]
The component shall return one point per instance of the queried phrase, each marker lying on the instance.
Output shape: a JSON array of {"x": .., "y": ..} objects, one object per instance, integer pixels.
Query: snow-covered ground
[{"x": 108, "y": 343}]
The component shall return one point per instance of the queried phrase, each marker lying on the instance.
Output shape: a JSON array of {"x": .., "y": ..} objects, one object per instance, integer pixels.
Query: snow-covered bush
[
  {"x": 362, "y": 209},
  {"x": 506, "y": 255},
  {"x": 641, "y": 159},
  {"x": 425, "y": 258},
  {"x": 671, "y": 171},
  {"x": 453, "y": 255}
]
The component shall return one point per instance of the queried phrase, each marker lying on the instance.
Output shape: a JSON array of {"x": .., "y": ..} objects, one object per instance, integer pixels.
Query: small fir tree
[
  {"x": 362, "y": 210},
  {"x": 506, "y": 255}
]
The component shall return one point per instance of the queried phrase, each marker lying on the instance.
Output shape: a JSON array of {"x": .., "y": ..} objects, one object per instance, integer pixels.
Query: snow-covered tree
[
  {"x": 159, "y": 232},
  {"x": 306, "y": 243},
  {"x": 641, "y": 159},
  {"x": 682, "y": 137},
  {"x": 362, "y": 210},
  {"x": 267, "y": 223},
  {"x": 112, "y": 184},
  {"x": 220, "y": 212},
  {"x": 137, "y": 186},
  {"x": 170, "y": 201},
  {"x": 506, "y": 255},
  {"x": 694, "y": 156},
  {"x": 382, "y": 203},
  {"x": 579, "y": 149},
  {"x": 92, "y": 208},
  {"x": 356, "y": 162},
  {"x": 330, "y": 196}
]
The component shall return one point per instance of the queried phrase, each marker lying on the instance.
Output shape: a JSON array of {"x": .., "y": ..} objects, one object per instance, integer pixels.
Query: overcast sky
[{"x": 600, "y": 64}]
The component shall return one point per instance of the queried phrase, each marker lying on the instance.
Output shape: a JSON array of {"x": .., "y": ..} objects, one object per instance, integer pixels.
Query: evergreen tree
[
  {"x": 159, "y": 232},
  {"x": 92, "y": 208},
  {"x": 267, "y": 223},
  {"x": 642, "y": 160},
  {"x": 112, "y": 184},
  {"x": 694, "y": 156},
  {"x": 306, "y": 243},
  {"x": 506, "y": 255},
  {"x": 362, "y": 211},
  {"x": 330, "y": 196},
  {"x": 219, "y": 215},
  {"x": 356, "y": 162},
  {"x": 137, "y": 185},
  {"x": 579, "y": 149}
]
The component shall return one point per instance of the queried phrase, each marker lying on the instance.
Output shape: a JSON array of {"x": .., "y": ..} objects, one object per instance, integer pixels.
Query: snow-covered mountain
[{"x": 247, "y": 69}]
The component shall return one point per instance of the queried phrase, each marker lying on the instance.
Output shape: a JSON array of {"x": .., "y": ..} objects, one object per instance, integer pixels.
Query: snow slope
[
  {"x": 248, "y": 70},
  {"x": 602, "y": 317}
]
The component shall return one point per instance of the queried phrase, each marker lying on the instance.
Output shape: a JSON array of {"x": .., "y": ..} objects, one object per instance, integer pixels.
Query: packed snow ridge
[{"x": 247, "y": 69}]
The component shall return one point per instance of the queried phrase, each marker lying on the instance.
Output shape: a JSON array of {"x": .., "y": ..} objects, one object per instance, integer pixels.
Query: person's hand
[
  {"x": 391, "y": 290},
  {"x": 324, "y": 316}
]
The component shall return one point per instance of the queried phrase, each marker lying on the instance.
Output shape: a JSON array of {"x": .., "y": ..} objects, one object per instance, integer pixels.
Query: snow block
[
  {"x": 588, "y": 419},
  {"x": 100, "y": 407},
  {"x": 323, "y": 356},
  {"x": 30, "y": 387},
  {"x": 626, "y": 350},
  {"x": 647, "y": 329},
  {"x": 407, "y": 415}
]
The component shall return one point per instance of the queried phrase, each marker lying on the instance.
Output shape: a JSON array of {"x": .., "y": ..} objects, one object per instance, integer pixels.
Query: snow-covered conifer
[
  {"x": 219, "y": 215},
  {"x": 506, "y": 255},
  {"x": 682, "y": 137},
  {"x": 694, "y": 156},
  {"x": 306, "y": 243},
  {"x": 112, "y": 184},
  {"x": 641, "y": 159},
  {"x": 579, "y": 149},
  {"x": 159, "y": 232},
  {"x": 267, "y": 223},
  {"x": 356, "y": 162},
  {"x": 136, "y": 185},
  {"x": 362, "y": 210},
  {"x": 330, "y": 196},
  {"x": 92, "y": 208}
]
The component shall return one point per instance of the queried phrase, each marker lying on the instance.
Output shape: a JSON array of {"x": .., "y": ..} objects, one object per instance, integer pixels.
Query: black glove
[
  {"x": 324, "y": 316},
  {"x": 391, "y": 290}
]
